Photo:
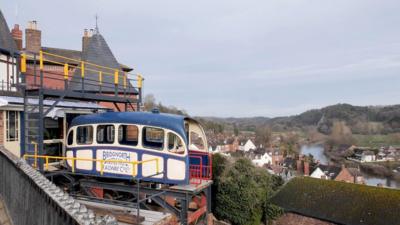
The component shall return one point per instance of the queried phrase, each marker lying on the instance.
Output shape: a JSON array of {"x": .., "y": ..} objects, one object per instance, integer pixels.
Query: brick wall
[
  {"x": 53, "y": 76},
  {"x": 296, "y": 219}
]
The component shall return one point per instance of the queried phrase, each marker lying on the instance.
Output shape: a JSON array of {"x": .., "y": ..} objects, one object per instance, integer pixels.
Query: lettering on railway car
[{"x": 114, "y": 167}]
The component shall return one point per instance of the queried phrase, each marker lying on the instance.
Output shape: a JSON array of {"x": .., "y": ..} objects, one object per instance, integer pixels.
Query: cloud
[{"x": 232, "y": 57}]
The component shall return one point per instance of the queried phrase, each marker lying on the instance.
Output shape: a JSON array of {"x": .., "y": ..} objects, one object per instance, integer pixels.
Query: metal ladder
[{"x": 33, "y": 123}]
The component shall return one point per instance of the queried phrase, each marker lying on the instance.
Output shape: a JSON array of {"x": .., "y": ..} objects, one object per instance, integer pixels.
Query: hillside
[{"x": 360, "y": 119}]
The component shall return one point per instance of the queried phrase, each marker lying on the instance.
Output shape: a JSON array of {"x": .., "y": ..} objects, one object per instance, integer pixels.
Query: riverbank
[{"x": 374, "y": 173}]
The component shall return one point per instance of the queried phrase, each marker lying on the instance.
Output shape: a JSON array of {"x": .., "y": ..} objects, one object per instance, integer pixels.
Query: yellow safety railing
[
  {"x": 80, "y": 64},
  {"x": 35, "y": 153},
  {"x": 101, "y": 161}
]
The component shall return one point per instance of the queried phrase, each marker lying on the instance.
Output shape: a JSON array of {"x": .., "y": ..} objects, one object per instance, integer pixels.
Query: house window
[
  {"x": 84, "y": 135},
  {"x": 153, "y": 138},
  {"x": 128, "y": 135},
  {"x": 105, "y": 134},
  {"x": 12, "y": 126}
]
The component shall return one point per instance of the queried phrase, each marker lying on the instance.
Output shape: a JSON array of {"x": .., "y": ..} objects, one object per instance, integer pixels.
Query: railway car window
[
  {"x": 105, "y": 134},
  {"x": 175, "y": 144},
  {"x": 196, "y": 141},
  {"x": 128, "y": 135},
  {"x": 153, "y": 138},
  {"x": 84, "y": 135},
  {"x": 70, "y": 137}
]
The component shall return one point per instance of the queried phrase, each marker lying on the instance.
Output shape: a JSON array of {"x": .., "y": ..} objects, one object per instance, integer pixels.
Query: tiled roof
[
  {"x": 339, "y": 202},
  {"x": 7, "y": 42},
  {"x": 98, "y": 52},
  {"x": 75, "y": 55}
]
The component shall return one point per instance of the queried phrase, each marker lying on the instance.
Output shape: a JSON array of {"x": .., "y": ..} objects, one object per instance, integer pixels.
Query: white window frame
[{"x": 16, "y": 125}]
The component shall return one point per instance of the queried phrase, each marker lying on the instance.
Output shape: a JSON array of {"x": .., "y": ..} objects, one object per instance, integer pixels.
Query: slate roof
[
  {"x": 7, "y": 43},
  {"x": 98, "y": 52},
  {"x": 73, "y": 54},
  {"x": 339, "y": 202},
  {"x": 330, "y": 170}
]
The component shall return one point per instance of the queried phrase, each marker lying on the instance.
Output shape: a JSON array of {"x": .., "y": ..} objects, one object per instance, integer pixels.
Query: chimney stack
[
  {"x": 306, "y": 168},
  {"x": 299, "y": 166},
  {"x": 86, "y": 38},
  {"x": 17, "y": 35},
  {"x": 33, "y": 37}
]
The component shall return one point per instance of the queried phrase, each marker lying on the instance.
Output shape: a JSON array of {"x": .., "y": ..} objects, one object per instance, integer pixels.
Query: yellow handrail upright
[
  {"x": 83, "y": 69},
  {"x": 40, "y": 60},
  {"x": 66, "y": 73},
  {"x": 23, "y": 63},
  {"x": 116, "y": 80}
]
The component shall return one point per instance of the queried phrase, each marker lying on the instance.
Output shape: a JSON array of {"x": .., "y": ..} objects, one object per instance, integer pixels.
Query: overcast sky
[{"x": 239, "y": 58}]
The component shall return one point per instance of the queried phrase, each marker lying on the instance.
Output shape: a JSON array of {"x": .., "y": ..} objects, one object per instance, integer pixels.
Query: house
[
  {"x": 309, "y": 201},
  {"x": 261, "y": 160},
  {"x": 230, "y": 145},
  {"x": 249, "y": 145},
  {"x": 277, "y": 156},
  {"x": 364, "y": 155},
  {"x": 57, "y": 120},
  {"x": 350, "y": 175},
  {"x": 331, "y": 172},
  {"x": 326, "y": 172},
  {"x": 95, "y": 51},
  {"x": 289, "y": 163},
  {"x": 8, "y": 57}
]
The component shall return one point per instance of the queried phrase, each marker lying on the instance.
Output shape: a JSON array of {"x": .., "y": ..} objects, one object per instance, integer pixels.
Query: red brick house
[{"x": 95, "y": 50}]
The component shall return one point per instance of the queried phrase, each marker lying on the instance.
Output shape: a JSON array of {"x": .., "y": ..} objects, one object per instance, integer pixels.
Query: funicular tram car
[{"x": 176, "y": 143}]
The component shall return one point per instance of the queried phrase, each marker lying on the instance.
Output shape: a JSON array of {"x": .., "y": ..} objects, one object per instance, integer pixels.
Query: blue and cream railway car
[{"x": 176, "y": 143}]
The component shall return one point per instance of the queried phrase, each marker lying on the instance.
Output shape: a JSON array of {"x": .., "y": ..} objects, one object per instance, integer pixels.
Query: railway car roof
[{"x": 163, "y": 120}]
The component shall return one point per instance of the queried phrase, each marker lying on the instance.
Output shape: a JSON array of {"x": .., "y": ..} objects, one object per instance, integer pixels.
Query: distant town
[{"x": 278, "y": 161}]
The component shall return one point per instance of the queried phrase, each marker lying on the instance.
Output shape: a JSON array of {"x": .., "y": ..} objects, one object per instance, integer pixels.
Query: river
[{"x": 318, "y": 153}]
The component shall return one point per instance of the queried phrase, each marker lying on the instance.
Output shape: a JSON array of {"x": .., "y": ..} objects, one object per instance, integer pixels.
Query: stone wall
[
  {"x": 4, "y": 217},
  {"x": 1, "y": 128},
  {"x": 296, "y": 219}
]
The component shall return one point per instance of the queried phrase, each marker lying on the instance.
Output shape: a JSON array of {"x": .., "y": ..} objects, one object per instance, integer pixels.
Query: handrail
[
  {"x": 102, "y": 161},
  {"x": 113, "y": 71}
]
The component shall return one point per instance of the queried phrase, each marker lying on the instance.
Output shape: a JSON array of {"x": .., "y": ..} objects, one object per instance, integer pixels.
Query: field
[{"x": 376, "y": 140}]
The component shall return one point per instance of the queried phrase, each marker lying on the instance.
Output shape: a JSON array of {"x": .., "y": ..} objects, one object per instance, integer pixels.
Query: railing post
[
  {"x": 101, "y": 80},
  {"x": 140, "y": 87},
  {"x": 116, "y": 81},
  {"x": 66, "y": 74},
  {"x": 125, "y": 84},
  {"x": 83, "y": 76}
]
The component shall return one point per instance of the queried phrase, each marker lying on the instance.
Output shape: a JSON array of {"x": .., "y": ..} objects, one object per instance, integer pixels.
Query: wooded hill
[{"x": 360, "y": 119}]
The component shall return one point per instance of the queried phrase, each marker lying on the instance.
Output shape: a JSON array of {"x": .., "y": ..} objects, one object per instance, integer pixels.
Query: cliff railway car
[{"x": 161, "y": 148}]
